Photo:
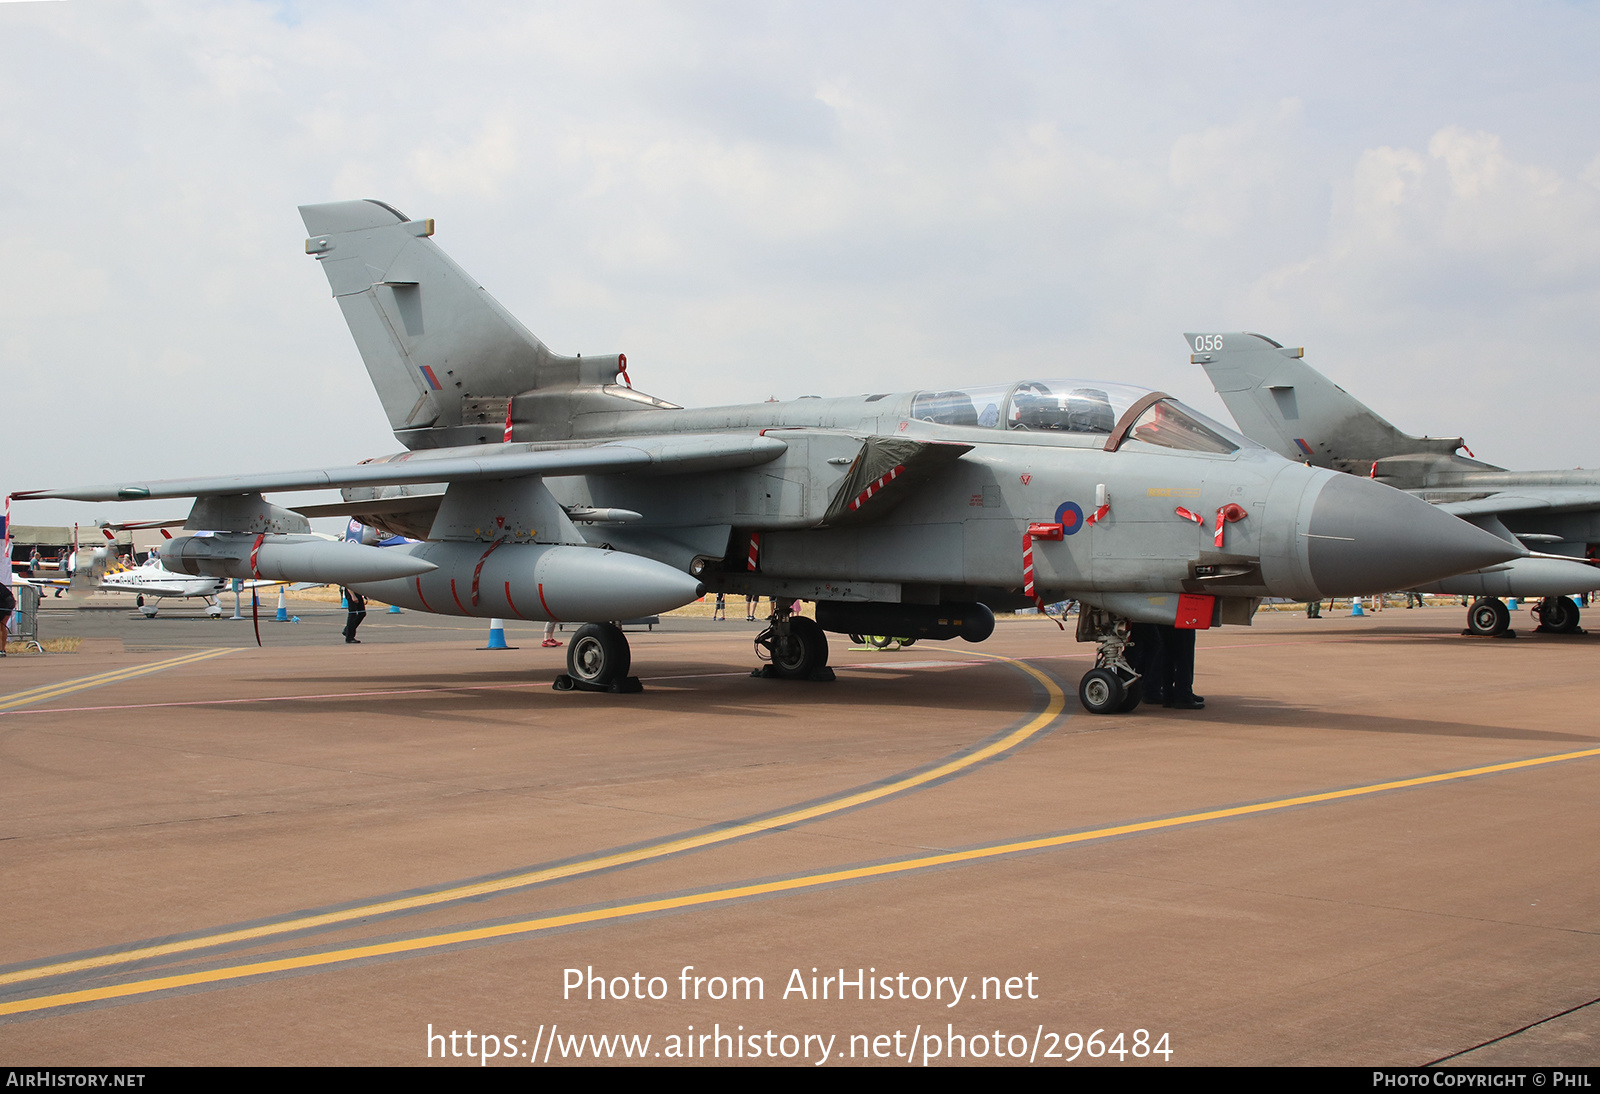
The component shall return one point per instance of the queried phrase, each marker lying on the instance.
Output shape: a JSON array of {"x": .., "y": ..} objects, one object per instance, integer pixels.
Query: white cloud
[{"x": 786, "y": 200}]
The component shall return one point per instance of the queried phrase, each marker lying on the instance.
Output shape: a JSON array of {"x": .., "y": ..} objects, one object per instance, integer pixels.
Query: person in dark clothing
[
  {"x": 8, "y": 604},
  {"x": 1179, "y": 691},
  {"x": 1147, "y": 653},
  {"x": 356, "y": 611}
]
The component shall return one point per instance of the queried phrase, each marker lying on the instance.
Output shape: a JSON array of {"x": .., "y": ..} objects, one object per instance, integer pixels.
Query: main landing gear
[
  {"x": 1489, "y": 618},
  {"x": 598, "y": 659},
  {"x": 1558, "y": 615},
  {"x": 796, "y": 647},
  {"x": 1112, "y": 686}
]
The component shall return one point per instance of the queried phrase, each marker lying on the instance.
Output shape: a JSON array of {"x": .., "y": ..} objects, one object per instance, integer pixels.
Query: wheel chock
[
  {"x": 824, "y": 675},
  {"x": 628, "y": 685}
]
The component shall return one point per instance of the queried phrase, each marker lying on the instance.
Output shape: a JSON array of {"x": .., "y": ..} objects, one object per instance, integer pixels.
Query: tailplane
[{"x": 446, "y": 358}]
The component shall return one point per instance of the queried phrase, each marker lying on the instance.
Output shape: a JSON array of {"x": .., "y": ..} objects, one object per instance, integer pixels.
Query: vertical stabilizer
[
  {"x": 444, "y": 356},
  {"x": 1281, "y": 402}
]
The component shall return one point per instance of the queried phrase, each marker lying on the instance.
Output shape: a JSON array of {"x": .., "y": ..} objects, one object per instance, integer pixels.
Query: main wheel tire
[
  {"x": 804, "y": 650},
  {"x": 1488, "y": 617},
  {"x": 1101, "y": 691},
  {"x": 1559, "y": 613},
  {"x": 1134, "y": 696},
  {"x": 598, "y": 654},
  {"x": 880, "y": 641}
]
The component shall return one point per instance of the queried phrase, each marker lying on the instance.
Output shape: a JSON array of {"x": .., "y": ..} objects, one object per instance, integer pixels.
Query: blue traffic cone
[
  {"x": 394, "y": 609},
  {"x": 1355, "y": 606},
  {"x": 283, "y": 607},
  {"x": 497, "y": 635}
]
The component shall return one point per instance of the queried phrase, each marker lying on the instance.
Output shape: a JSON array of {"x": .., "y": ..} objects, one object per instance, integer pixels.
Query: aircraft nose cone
[{"x": 1364, "y": 537}]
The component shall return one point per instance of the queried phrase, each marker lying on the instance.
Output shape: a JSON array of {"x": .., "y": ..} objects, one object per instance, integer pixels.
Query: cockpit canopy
[{"x": 1090, "y": 407}]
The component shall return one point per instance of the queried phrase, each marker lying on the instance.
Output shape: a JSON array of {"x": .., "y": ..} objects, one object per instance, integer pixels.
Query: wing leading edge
[{"x": 681, "y": 454}]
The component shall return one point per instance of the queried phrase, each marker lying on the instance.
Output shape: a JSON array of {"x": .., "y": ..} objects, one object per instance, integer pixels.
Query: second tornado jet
[
  {"x": 1288, "y": 406},
  {"x": 546, "y": 489}
]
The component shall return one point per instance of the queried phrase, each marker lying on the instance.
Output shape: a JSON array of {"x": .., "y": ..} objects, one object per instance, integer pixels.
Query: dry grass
[
  {"x": 51, "y": 645},
  {"x": 706, "y": 606}
]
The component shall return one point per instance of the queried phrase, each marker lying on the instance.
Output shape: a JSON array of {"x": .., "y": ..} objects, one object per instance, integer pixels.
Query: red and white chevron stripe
[{"x": 873, "y": 488}]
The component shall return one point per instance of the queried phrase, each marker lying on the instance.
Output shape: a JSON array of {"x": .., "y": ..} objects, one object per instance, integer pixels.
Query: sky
[{"x": 755, "y": 200}]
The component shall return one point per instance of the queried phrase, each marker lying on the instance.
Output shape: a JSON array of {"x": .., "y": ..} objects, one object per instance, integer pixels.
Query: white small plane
[{"x": 151, "y": 579}]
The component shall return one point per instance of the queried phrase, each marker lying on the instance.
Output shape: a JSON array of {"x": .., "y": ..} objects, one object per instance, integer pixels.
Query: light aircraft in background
[
  {"x": 154, "y": 581},
  {"x": 1281, "y": 402},
  {"x": 542, "y": 488},
  {"x": 147, "y": 580}
]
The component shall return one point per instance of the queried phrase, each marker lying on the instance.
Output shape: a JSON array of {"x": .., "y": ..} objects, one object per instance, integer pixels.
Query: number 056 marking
[{"x": 1207, "y": 343}]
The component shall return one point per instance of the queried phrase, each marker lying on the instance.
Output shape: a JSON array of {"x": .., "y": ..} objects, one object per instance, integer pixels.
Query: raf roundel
[{"x": 1070, "y": 517}]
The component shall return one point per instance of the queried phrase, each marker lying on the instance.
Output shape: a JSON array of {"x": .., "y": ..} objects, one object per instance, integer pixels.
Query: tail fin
[
  {"x": 445, "y": 357},
  {"x": 1281, "y": 402},
  {"x": 89, "y": 566}
]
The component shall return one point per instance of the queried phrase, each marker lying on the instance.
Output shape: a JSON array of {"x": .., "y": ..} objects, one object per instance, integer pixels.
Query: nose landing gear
[{"x": 1113, "y": 686}]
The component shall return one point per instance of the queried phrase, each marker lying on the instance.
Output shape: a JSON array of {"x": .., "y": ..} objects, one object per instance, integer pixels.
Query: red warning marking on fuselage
[
  {"x": 422, "y": 598},
  {"x": 513, "y": 603},
  {"x": 456, "y": 598},
  {"x": 545, "y": 606},
  {"x": 883, "y": 481},
  {"x": 477, "y": 571},
  {"x": 1227, "y": 515}
]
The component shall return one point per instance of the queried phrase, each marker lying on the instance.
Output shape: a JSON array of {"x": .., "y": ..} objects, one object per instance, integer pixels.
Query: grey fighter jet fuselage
[
  {"x": 545, "y": 489},
  {"x": 1280, "y": 401}
]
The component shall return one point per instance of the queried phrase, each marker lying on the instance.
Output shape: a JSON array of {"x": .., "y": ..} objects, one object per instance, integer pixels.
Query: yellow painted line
[
  {"x": 742, "y": 892},
  {"x": 67, "y": 687},
  {"x": 1055, "y": 703}
]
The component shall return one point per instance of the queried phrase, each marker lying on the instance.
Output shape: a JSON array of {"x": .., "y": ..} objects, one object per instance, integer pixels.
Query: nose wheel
[
  {"x": 1103, "y": 691},
  {"x": 1113, "y": 686}
]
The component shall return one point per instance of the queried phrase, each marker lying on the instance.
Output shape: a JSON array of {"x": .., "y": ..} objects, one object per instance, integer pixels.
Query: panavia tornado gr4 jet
[
  {"x": 1288, "y": 406},
  {"x": 542, "y": 488}
]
